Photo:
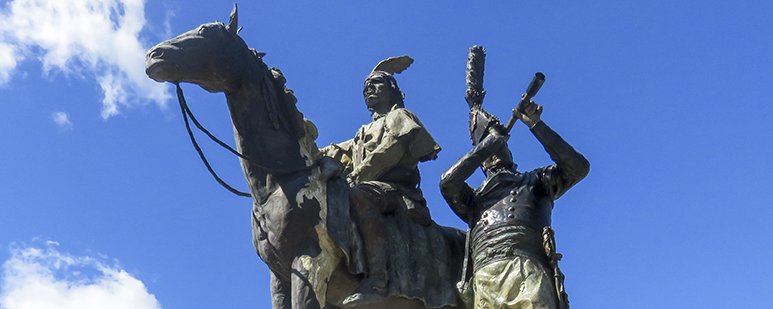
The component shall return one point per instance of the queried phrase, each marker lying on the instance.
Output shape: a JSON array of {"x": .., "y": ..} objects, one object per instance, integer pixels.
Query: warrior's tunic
[{"x": 385, "y": 153}]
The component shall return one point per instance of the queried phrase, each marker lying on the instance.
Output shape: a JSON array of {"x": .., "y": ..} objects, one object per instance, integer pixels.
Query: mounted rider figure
[{"x": 381, "y": 167}]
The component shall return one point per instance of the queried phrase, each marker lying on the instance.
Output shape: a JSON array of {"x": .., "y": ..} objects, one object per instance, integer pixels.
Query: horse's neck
[{"x": 258, "y": 139}]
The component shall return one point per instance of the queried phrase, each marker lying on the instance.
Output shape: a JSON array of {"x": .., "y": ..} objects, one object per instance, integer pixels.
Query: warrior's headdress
[{"x": 385, "y": 71}]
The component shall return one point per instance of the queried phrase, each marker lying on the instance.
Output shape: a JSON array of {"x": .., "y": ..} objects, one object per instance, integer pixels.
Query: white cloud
[
  {"x": 93, "y": 38},
  {"x": 63, "y": 120},
  {"x": 7, "y": 62},
  {"x": 47, "y": 278}
]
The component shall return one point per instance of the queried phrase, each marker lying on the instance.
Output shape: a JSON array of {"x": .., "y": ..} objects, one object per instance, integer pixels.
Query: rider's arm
[
  {"x": 341, "y": 152},
  {"x": 387, "y": 155}
]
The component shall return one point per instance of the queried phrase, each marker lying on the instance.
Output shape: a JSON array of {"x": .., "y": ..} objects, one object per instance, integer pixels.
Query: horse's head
[{"x": 212, "y": 56}]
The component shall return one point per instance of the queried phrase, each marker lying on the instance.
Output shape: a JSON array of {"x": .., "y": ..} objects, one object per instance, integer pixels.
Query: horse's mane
[{"x": 280, "y": 100}]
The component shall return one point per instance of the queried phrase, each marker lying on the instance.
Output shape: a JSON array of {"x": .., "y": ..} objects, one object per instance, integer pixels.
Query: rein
[{"x": 186, "y": 111}]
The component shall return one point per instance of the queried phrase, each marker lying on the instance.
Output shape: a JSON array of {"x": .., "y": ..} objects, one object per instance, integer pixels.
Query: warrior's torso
[
  {"x": 390, "y": 147},
  {"x": 510, "y": 210}
]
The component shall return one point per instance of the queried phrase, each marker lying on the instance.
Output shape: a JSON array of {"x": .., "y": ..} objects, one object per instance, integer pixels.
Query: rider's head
[{"x": 381, "y": 88}]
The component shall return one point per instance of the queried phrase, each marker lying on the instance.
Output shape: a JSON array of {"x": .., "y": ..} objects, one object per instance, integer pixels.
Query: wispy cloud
[
  {"x": 47, "y": 278},
  {"x": 63, "y": 120},
  {"x": 7, "y": 61},
  {"x": 96, "y": 39}
]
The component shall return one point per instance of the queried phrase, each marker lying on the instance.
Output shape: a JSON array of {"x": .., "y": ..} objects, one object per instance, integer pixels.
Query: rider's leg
[{"x": 367, "y": 205}]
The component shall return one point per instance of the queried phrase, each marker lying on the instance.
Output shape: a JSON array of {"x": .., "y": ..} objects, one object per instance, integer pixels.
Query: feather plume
[{"x": 394, "y": 65}]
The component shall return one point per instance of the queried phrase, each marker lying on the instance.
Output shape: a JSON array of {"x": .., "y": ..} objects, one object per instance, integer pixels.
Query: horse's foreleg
[
  {"x": 303, "y": 295},
  {"x": 280, "y": 293}
]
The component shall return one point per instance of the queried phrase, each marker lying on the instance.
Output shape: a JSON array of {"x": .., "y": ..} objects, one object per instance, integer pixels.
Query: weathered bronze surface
[
  {"x": 303, "y": 228},
  {"x": 512, "y": 259}
]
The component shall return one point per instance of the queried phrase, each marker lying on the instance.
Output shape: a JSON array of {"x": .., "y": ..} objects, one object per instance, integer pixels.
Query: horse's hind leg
[
  {"x": 280, "y": 293},
  {"x": 303, "y": 295}
]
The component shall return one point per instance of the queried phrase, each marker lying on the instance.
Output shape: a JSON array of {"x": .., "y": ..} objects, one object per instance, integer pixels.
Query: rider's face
[{"x": 377, "y": 92}]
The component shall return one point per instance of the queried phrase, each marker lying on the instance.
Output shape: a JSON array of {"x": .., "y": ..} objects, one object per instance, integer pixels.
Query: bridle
[{"x": 186, "y": 111}]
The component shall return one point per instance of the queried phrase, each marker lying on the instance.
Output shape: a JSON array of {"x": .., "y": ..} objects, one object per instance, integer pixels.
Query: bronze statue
[
  {"x": 510, "y": 242},
  {"x": 381, "y": 166},
  {"x": 302, "y": 227}
]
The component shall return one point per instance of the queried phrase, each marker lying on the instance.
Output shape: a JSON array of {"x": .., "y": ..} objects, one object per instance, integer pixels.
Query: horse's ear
[{"x": 233, "y": 23}]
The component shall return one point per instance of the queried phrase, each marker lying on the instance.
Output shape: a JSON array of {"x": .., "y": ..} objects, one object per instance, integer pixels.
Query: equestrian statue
[{"x": 318, "y": 253}]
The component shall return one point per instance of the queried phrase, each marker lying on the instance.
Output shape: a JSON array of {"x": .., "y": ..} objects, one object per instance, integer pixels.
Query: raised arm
[
  {"x": 570, "y": 166},
  {"x": 457, "y": 193}
]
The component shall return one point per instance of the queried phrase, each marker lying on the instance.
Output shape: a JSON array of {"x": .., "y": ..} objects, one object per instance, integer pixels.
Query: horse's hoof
[{"x": 358, "y": 299}]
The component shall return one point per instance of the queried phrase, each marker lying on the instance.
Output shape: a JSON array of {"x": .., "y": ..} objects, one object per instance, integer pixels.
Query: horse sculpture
[{"x": 302, "y": 228}]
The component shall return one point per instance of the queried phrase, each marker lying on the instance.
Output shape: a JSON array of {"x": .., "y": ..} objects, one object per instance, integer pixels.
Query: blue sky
[{"x": 102, "y": 197}]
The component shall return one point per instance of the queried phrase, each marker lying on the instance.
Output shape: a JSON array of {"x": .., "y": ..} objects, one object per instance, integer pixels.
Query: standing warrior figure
[
  {"x": 508, "y": 213},
  {"x": 381, "y": 167}
]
